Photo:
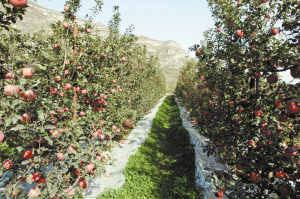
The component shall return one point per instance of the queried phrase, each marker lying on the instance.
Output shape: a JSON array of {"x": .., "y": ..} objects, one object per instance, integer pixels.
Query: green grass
[{"x": 164, "y": 166}]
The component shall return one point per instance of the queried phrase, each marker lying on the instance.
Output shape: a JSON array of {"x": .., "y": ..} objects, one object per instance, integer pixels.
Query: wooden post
[{"x": 75, "y": 97}]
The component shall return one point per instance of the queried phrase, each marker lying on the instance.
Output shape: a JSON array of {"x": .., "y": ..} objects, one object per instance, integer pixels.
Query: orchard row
[
  {"x": 67, "y": 97},
  {"x": 236, "y": 99}
]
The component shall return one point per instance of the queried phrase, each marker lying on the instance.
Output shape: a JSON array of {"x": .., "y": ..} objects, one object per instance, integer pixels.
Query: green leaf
[
  {"x": 50, "y": 142},
  {"x": 18, "y": 127},
  {"x": 41, "y": 115},
  {"x": 5, "y": 104},
  {"x": 42, "y": 67},
  {"x": 37, "y": 158},
  {"x": 26, "y": 162},
  {"x": 53, "y": 191},
  {"x": 15, "y": 102},
  {"x": 50, "y": 127},
  {"x": 19, "y": 148},
  {"x": 15, "y": 119},
  {"x": 7, "y": 122},
  {"x": 28, "y": 179},
  {"x": 41, "y": 129}
]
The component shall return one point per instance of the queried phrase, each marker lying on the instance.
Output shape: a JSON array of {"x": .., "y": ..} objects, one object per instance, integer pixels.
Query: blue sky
[{"x": 176, "y": 20}]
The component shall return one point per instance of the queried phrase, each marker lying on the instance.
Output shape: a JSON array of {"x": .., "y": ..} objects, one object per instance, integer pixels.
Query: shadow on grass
[{"x": 164, "y": 166}]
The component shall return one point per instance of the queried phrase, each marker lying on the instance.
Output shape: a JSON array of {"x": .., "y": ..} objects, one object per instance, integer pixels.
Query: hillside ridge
[{"x": 172, "y": 57}]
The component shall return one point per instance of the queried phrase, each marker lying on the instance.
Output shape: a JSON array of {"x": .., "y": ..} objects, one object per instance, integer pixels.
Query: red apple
[
  {"x": 27, "y": 154},
  {"x": 240, "y": 110},
  {"x": 56, "y": 45},
  {"x": 287, "y": 157},
  {"x": 10, "y": 89},
  {"x": 264, "y": 1},
  {"x": 53, "y": 90},
  {"x": 41, "y": 180},
  {"x": 66, "y": 8},
  {"x": 102, "y": 57},
  {"x": 265, "y": 132},
  {"x": 25, "y": 117},
  {"x": 219, "y": 29},
  {"x": 29, "y": 95},
  {"x": 282, "y": 117},
  {"x": 72, "y": 148},
  {"x": 96, "y": 134},
  {"x": 71, "y": 192},
  {"x": 292, "y": 108},
  {"x": 1, "y": 136},
  {"x": 34, "y": 176},
  {"x": 67, "y": 62},
  {"x": 88, "y": 30},
  {"x": 254, "y": 177},
  {"x": 99, "y": 157},
  {"x": 65, "y": 25},
  {"x": 55, "y": 133},
  {"x": 268, "y": 16},
  {"x": 277, "y": 103},
  {"x": 284, "y": 190},
  {"x": 7, "y": 164},
  {"x": 10, "y": 76},
  {"x": 90, "y": 166},
  {"x": 251, "y": 142},
  {"x": 34, "y": 192},
  {"x": 258, "y": 113},
  {"x": 27, "y": 72},
  {"x": 198, "y": 52},
  {"x": 68, "y": 87},
  {"x": 257, "y": 75},
  {"x": 238, "y": 34},
  {"x": 123, "y": 59},
  {"x": 19, "y": 3},
  {"x": 84, "y": 185},
  {"x": 219, "y": 194},
  {"x": 60, "y": 156},
  {"x": 272, "y": 78},
  {"x": 60, "y": 130},
  {"x": 83, "y": 92},
  {"x": 239, "y": 4},
  {"x": 81, "y": 113},
  {"x": 78, "y": 89},
  {"x": 274, "y": 31},
  {"x": 295, "y": 71},
  {"x": 57, "y": 78},
  {"x": 100, "y": 101}
]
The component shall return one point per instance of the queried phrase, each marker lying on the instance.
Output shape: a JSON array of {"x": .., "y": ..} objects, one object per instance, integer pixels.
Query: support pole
[{"x": 75, "y": 97}]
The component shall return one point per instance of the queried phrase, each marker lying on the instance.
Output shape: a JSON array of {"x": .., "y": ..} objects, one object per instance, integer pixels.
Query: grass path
[{"x": 164, "y": 166}]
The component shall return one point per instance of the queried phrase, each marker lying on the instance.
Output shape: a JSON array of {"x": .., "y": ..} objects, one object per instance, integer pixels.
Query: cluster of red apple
[{"x": 254, "y": 120}]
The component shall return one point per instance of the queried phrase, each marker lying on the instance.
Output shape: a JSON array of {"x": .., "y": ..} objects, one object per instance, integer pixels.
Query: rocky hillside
[{"x": 171, "y": 55}]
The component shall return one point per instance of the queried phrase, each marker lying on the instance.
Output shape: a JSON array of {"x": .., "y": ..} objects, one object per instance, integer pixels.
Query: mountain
[{"x": 172, "y": 57}]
